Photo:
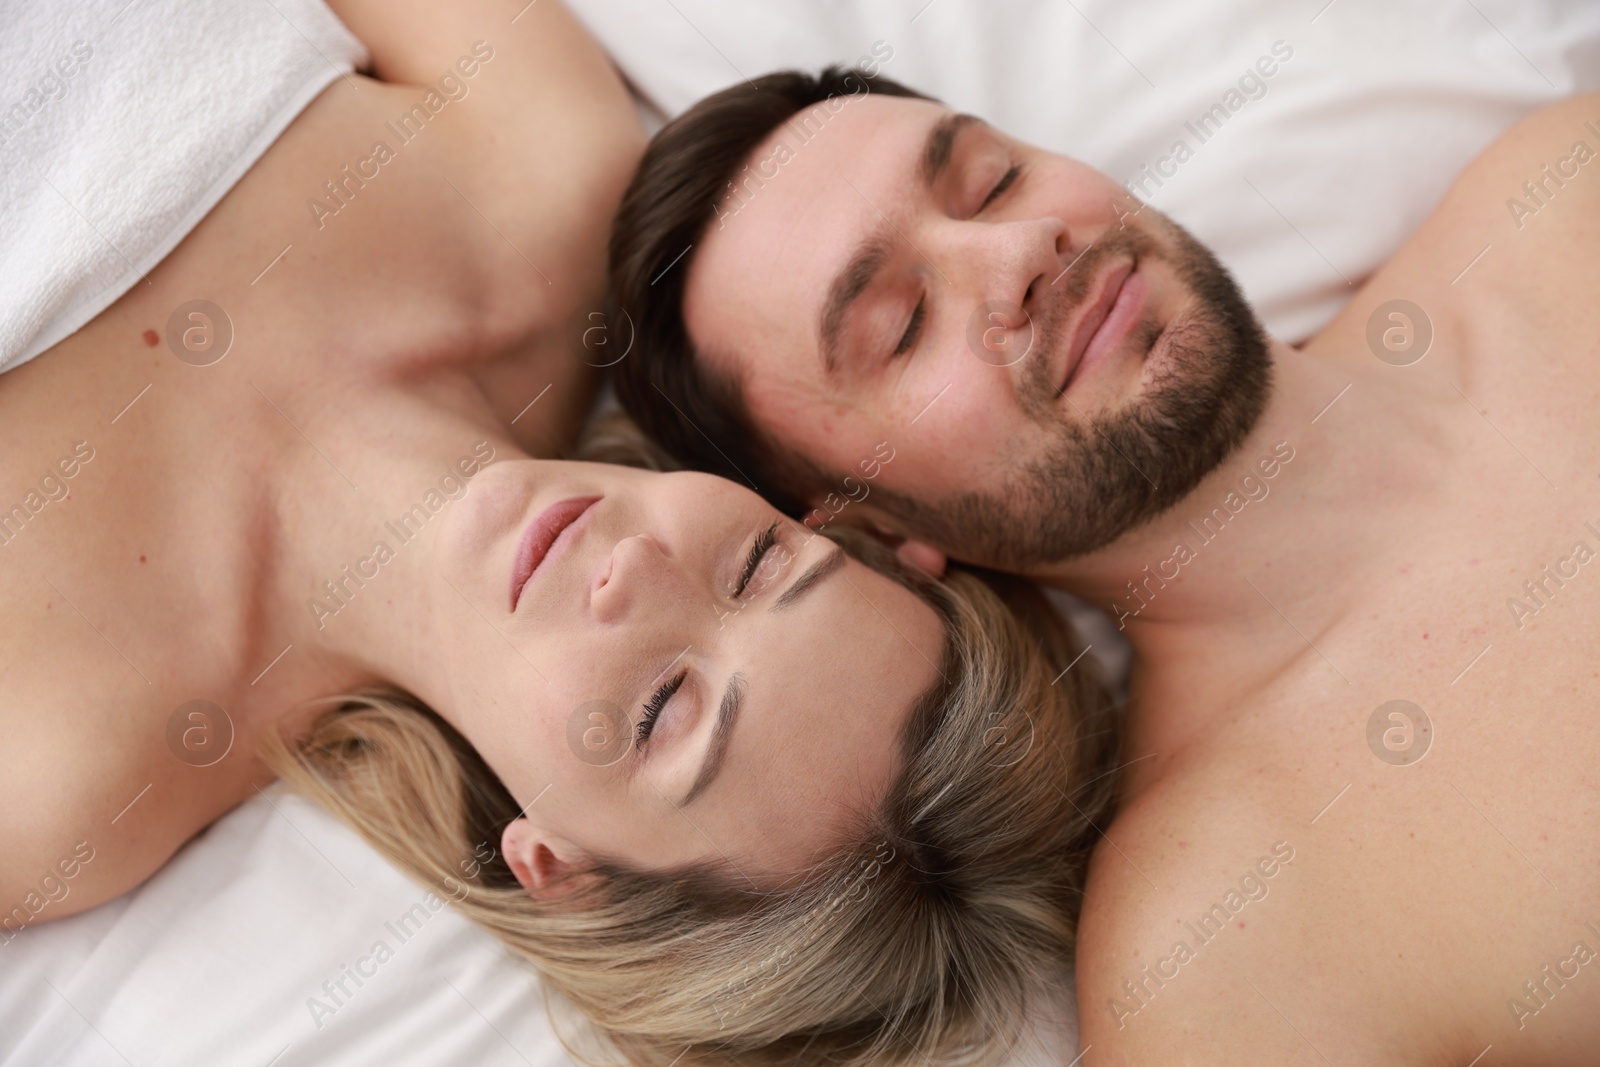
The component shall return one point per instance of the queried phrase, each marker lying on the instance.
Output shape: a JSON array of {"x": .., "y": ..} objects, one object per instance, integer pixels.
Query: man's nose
[
  {"x": 1002, "y": 276},
  {"x": 1002, "y": 260}
]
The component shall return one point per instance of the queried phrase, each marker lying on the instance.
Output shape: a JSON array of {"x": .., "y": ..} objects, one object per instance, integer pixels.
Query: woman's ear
[
  {"x": 537, "y": 859},
  {"x": 921, "y": 556}
]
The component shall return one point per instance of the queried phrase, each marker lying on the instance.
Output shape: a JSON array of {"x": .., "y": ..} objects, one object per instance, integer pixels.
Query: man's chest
[{"x": 1436, "y": 761}]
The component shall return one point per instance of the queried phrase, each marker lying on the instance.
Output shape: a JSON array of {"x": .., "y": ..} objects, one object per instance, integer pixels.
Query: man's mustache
[{"x": 1059, "y": 303}]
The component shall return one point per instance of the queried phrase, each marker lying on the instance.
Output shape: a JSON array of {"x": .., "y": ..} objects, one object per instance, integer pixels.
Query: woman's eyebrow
[
  {"x": 733, "y": 695},
  {"x": 818, "y": 573},
  {"x": 732, "y": 703}
]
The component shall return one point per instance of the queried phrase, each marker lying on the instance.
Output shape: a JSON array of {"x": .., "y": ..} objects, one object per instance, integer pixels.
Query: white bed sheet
[
  {"x": 217, "y": 959},
  {"x": 221, "y": 959}
]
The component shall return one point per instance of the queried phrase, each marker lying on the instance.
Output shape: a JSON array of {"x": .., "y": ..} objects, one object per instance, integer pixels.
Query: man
[{"x": 1331, "y": 561}]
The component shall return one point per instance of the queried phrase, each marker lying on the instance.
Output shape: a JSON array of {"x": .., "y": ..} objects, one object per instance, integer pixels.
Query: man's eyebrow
[
  {"x": 847, "y": 285},
  {"x": 732, "y": 703},
  {"x": 808, "y": 581},
  {"x": 870, "y": 255},
  {"x": 941, "y": 140}
]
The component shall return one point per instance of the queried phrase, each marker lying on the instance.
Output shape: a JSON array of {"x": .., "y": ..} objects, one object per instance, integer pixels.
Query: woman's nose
[{"x": 640, "y": 573}]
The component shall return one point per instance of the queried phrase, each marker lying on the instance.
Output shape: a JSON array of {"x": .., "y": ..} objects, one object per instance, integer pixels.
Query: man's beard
[{"x": 1101, "y": 478}]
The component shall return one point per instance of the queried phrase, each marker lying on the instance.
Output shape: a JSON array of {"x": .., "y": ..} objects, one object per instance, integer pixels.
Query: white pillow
[{"x": 1302, "y": 192}]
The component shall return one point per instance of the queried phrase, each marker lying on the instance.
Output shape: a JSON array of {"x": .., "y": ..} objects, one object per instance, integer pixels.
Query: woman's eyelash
[
  {"x": 764, "y": 542},
  {"x": 652, "y": 709},
  {"x": 914, "y": 327},
  {"x": 1001, "y": 186}
]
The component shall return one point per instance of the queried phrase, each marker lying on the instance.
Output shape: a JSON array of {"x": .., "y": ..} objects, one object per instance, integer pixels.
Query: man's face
[{"x": 1050, "y": 363}]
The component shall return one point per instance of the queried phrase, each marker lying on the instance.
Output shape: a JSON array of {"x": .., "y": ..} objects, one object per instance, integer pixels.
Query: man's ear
[
  {"x": 915, "y": 555},
  {"x": 538, "y": 859},
  {"x": 921, "y": 556}
]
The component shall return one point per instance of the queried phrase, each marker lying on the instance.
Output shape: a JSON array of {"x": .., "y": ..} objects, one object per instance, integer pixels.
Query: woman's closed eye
[
  {"x": 765, "y": 541},
  {"x": 653, "y": 708},
  {"x": 753, "y": 576}
]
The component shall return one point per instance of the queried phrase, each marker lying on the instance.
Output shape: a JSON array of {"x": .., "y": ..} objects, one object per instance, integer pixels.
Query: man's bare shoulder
[
  {"x": 1221, "y": 926},
  {"x": 1178, "y": 897},
  {"x": 1541, "y": 176},
  {"x": 1549, "y": 156},
  {"x": 1498, "y": 283},
  {"x": 1531, "y": 197},
  {"x": 1518, "y": 225}
]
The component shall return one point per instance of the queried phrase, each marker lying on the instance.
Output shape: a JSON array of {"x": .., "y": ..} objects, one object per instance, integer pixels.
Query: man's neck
[{"x": 1281, "y": 539}]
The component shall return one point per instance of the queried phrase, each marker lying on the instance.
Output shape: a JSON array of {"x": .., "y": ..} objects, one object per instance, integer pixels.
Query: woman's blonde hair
[{"x": 929, "y": 935}]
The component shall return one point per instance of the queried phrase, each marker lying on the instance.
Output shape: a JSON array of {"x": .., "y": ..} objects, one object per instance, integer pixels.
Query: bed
[{"x": 241, "y": 949}]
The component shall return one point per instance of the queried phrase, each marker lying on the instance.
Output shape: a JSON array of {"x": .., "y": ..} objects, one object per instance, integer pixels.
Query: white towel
[{"x": 122, "y": 123}]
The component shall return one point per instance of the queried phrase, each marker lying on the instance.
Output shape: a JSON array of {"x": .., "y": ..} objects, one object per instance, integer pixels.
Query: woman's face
[{"x": 686, "y": 676}]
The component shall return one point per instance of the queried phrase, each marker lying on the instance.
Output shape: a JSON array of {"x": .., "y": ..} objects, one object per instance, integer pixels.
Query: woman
[
  {"x": 887, "y": 869},
  {"x": 193, "y": 465},
  {"x": 883, "y": 857}
]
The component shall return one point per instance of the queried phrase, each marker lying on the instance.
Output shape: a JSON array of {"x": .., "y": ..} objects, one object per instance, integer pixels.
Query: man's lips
[
  {"x": 556, "y": 527},
  {"x": 1093, "y": 315}
]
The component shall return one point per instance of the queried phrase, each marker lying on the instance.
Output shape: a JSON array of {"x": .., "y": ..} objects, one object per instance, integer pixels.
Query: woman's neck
[{"x": 357, "y": 512}]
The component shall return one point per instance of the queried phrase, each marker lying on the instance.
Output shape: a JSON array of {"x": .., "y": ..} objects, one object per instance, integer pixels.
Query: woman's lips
[{"x": 547, "y": 536}]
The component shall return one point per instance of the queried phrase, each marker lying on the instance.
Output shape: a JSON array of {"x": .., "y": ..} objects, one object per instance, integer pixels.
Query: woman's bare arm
[{"x": 548, "y": 102}]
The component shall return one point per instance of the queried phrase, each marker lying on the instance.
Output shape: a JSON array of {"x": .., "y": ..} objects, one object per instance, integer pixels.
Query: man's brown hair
[{"x": 689, "y": 168}]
